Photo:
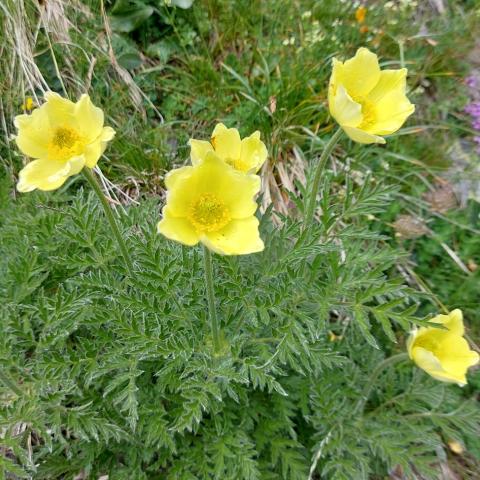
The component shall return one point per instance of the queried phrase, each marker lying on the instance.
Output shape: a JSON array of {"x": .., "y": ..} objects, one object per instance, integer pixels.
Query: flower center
[
  {"x": 369, "y": 116},
  {"x": 428, "y": 344},
  {"x": 208, "y": 213},
  {"x": 65, "y": 143},
  {"x": 239, "y": 164},
  {"x": 434, "y": 344}
]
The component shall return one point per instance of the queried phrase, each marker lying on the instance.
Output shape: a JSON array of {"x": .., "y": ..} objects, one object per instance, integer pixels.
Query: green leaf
[
  {"x": 364, "y": 325},
  {"x": 127, "y": 15},
  {"x": 129, "y": 60}
]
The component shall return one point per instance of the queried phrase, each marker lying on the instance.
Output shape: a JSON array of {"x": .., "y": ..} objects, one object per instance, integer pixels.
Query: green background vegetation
[{"x": 114, "y": 376}]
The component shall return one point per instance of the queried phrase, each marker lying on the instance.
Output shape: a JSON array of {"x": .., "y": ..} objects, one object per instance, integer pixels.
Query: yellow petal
[
  {"x": 443, "y": 353},
  {"x": 88, "y": 118},
  {"x": 60, "y": 111},
  {"x": 455, "y": 355},
  {"x": 226, "y": 142},
  {"x": 344, "y": 110},
  {"x": 333, "y": 83},
  {"x": 32, "y": 138},
  {"x": 253, "y": 154},
  {"x": 391, "y": 106},
  {"x": 361, "y": 136},
  {"x": 178, "y": 229},
  {"x": 411, "y": 342},
  {"x": 198, "y": 150},
  {"x": 389, "y": 81},
  {"x": 427, "y": 361},
  {"x": 107, "y": 134},
  {"x": 48, "y": 174},
  {"x": 213, "y": 175},
  {"x": 219, "y": 129},
  {"x": 453, "y": 321},
  {"x": 239, "y": 194},
  {"x": 75, "y": 165},
  {"x": 359, "y": 74},
  {"x": 181, "y": 190},
  {"x": 239, "y": 237},
  {"x": 93, "y": 152},
  {"x": 234, "y": 188},
  {"x": 177, "y": 175}
]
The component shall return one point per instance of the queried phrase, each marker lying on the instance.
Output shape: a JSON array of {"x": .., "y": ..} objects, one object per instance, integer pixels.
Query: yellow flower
[
  {"x": 334, "y": 337},
  {"x": 28, "y": 104},
  {"x": 456, "y": 447},
  {"x": 366, "y": 101},
  {"x": 246, "y": 155},
  {"x": 360, "y": 14},
  {"x": 212, "y": 203},
  {"x": 63, "y": 137},
  {"x": 443, "y": 354}
]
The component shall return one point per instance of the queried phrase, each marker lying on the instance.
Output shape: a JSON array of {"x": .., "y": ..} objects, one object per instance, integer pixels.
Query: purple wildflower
[
  {"x": 471, "y": 81},
  {"x": 473, "y": 109}
]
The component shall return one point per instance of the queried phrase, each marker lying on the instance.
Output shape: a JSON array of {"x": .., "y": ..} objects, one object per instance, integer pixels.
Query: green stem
[
  {"x": 10, "y": 384},
  {"x": 312, "y": 196},
  {"x": 400, "y": 357},
  {"x": 89, "y": 175},
  {"x": 207, "y": 257}
]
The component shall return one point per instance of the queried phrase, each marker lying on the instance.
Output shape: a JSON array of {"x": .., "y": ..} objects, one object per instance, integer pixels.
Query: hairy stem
[
  {"x": 90, "y": 176},
  {"x": 312, "y": 195},
  {"x": 400, "y": 357},
  {"x": 207, "y": 257}
]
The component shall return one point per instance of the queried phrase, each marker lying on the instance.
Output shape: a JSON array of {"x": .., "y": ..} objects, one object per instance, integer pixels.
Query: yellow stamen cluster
[
  {"x": 368, "y": 112},
  {"x": 65, "y": 143},
  {"x": 239, "y": 164},
  {"x": 208, "y": 213}
]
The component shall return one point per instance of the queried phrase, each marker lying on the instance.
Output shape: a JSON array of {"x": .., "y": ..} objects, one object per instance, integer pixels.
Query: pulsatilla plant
[{"x": 156, "y": 361}]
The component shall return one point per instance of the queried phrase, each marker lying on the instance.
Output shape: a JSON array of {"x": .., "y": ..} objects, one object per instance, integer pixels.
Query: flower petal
[
  {"x": 176, "y": 175},
  {"x": 48, "y": 174},
  {"x": 88, "y": 118},
  {"x": 427, "y": 361},
  {"x": 239, "y": 237},
  {"x": 411, "y": 342},
  {"x": 93, "y": 152},
  {"x": 107, "y": 134},
  {"x": 32, "y": 138},
  {"x": 253, "y": 154},
  {"x": 359, "y": 74},
  {"x": 181, "y": 190},
  {"x": 361, "y": 136},
  {"x": 453, "y": 321},
  {"x": 455, "y": 355},
  {"x": 76, "y": 164},
  {"x": 235, "y": 189},
  {"x": 226, "y": 142},
  {"x": 390, "y": 104},
  {"x": 178, "y": 229},
  {"x": 198, "y": 150},
  {"x": 60, "y": 110},
  {"x": 344, "y": 110}
]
